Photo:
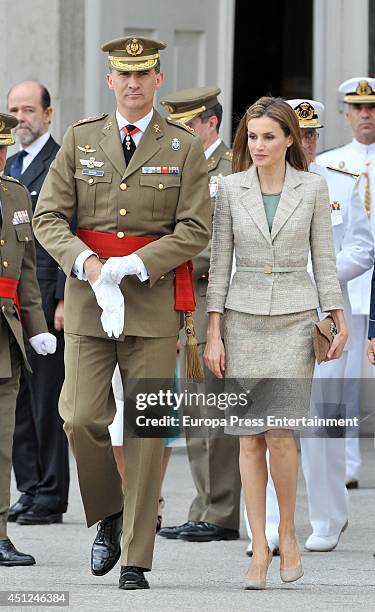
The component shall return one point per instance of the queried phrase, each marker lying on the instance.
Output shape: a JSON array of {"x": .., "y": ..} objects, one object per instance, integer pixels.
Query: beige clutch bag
[{"x": 323, "y": 335}]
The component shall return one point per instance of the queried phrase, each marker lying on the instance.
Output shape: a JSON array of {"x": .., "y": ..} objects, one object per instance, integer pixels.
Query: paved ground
[{"x": 194, "y": 576}]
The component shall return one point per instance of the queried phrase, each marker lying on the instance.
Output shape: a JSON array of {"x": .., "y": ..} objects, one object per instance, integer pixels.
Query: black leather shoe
[
  {"x": 172, "y": 533},
  {"x": 39, "y": 515},
  {"x": 17, "y": 509},
  {"x": 10, "y": 556},
  {"x": 132, "y": 577},
  {"x": 207, "y": 532},
  {"x": 106, "y": 549},
  {"x": 352, "y": 484}
]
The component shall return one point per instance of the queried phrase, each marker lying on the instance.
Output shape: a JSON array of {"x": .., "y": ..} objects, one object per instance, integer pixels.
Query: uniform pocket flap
[
  {"x": 24, "y": 232},
  {"x": 92, "y": 179},
  {"x": 160, "y": 181}
]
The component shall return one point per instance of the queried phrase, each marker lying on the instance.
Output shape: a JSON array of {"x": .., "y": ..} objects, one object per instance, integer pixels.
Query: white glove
[
  {"x": 43, "y": 344},
  {"x": 111, "y": 301},
  {"x": 115, "y": 268}
]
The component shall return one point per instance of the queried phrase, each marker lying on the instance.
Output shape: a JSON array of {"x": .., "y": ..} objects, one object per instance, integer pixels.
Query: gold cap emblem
[
  {"x": 135, "y": 47},
  {"x": 363, "y": 89},
  {"x": 168, "y": 108},
  {"x": 305, "y": 111},
  {"x": 2, "y": 126}
]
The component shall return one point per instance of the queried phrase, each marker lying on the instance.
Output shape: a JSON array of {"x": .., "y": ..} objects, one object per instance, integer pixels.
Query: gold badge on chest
[
  {"x": 91, "y": 163},
  {"x": 86, "y": 149}
]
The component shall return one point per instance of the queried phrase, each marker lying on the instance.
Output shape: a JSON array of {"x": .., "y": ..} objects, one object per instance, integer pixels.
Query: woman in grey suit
[{"x": 272, "y": 212}]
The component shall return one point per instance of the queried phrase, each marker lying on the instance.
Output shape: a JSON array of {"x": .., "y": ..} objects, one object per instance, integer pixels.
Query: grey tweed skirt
[{"x": 271, "y": 360}]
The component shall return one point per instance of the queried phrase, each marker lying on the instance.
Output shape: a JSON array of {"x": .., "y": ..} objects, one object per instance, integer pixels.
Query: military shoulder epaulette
[
  {"x": 343, "y": 171},
  {"x": 90, "y": 119},
  {"x": 181, "y": 125}
]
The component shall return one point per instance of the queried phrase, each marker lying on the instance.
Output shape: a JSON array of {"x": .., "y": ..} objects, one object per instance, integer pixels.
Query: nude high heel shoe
[
  {"x": 259, "y": 583},
  {"x": 291, "y": 574}
]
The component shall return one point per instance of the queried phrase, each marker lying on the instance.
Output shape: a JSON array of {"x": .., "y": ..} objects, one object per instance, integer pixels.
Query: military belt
[
  {"x": 9, "y": 290},
  {"x": 108, "y": 244}
]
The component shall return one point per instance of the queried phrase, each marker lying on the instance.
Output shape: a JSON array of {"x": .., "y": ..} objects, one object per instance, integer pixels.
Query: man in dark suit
[{"x": 40, "y": 450}]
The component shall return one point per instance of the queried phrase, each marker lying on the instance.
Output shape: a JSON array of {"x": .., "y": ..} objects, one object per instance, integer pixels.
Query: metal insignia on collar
[
  {"x": 106, "y": 127},
  {"x": 156, "y": 128},
  {"x": 175, "y": 144},
  {"x": 91, "y": 163},
  {"x": 86, "y": 149}
]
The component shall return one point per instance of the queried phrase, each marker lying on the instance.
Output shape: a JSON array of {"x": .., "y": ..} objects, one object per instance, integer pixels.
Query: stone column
[
  {"x": 45, "y": 42},
  {"x": 341, "y": 41}
]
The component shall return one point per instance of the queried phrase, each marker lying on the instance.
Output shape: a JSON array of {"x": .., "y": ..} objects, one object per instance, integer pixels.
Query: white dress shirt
[
  {"x": 208, "y": 152},
  {"x": 141, "y": 124},
  {"x": 33, "y": 149}
]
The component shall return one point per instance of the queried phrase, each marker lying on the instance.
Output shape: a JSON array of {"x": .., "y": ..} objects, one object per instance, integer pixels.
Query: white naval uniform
[
  {"x": 323, "y": 459},
  {"x": 355, "y": 157}
]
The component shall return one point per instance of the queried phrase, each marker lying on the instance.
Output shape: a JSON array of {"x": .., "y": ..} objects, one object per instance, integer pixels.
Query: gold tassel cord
[
  {"x": 366, "y": 174},
  {"x": 194, "y": 370}
]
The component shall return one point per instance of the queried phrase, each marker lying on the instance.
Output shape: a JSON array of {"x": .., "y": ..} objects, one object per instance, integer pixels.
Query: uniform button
[
  {"x": 2, "y": 242},
  {"x": 123, "y": 186},
  {"x": 91, "y": 180},
  {"x": 123, "y": 212},
  {"x": 120, "y": 234},
  {"x": 26, "y": 239},
  {"x": 161, "y": 278},
  {"x": 204, "y": 276},
  {"x": 161, "y": 186},
  {"x": 5, "y": 264}
]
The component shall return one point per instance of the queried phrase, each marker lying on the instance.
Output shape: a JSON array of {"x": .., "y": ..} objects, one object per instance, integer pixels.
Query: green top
[{"x": 270, "y": 201}]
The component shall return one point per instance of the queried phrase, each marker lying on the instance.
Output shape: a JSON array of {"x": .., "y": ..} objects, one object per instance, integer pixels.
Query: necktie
[
  {"x": 128, "y": 143},
  {"x": 16, "y": 167}
]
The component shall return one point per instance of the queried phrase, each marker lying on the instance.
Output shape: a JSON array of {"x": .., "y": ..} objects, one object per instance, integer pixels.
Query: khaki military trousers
[
  {"x": 87, "y": 411},
  {"x": 8, "y": 396},
  {"x": 214, "y": 464}
]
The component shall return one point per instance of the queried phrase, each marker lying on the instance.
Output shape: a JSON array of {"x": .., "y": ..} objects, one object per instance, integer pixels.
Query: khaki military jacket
[
  {"x": 17, "y": 261},
  {"x": 219, "y": 164},
  {"x": 134, "y": 200}
]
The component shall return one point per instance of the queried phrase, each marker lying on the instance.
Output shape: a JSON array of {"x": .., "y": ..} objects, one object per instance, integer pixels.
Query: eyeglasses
[{"x": 310, "y": 135}]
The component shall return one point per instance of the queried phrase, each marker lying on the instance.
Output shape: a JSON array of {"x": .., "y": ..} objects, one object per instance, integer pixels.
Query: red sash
[
  {"x": 107, "y": 244},
  {"x": 8, "y": 289}
]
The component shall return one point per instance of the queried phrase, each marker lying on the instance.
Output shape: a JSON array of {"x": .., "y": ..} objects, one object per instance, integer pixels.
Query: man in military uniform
[
  {"x": 357, "y": 157},
  {"x": 21, "y": 311},
  {"x": 213, "y": 458},
  {"x": 322, "y": 455},
  {"x": 40, "y": 446},
  {"x": 138, "y": 186}
]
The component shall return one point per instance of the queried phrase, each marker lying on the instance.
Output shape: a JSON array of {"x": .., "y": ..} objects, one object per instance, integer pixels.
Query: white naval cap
[
  {"x": 309, "y": 112},
  {"x": 360, "y": 90}
]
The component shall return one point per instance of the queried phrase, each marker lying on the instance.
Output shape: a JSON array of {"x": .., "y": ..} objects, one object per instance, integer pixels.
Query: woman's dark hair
[{"x": 278, "y": 110}]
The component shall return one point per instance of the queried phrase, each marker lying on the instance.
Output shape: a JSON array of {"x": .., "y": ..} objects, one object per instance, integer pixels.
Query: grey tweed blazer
[{"x": 302, "y": 223}]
